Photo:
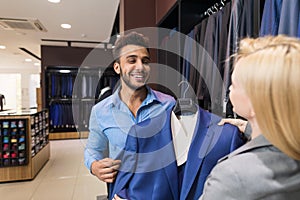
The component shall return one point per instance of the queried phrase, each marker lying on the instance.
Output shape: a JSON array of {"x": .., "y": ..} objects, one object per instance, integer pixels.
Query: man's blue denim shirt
[{"x": 111, "y": 120}]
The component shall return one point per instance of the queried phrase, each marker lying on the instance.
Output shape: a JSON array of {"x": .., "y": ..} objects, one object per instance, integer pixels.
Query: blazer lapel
[
  {"x": 171, "y": 169},
  {"x": 195, "y": 158}
]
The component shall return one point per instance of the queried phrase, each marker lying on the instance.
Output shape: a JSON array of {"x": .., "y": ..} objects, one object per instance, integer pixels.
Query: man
[{"x": 133, "y": 102}]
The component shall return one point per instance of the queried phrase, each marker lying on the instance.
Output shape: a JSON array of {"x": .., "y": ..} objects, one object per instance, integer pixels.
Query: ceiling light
[
  {"x": 37, "y": 64},
  {"x": 65, "y": 71},
  {"x": 54, "y": 1},
  {"x": 66, "y": 26},
  {"x": 28, "y": 60},
  {"x": 2, "y": 47}
]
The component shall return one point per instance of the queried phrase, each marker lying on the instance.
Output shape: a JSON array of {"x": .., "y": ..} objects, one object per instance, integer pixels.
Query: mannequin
[{"x": 2, "y": 101}]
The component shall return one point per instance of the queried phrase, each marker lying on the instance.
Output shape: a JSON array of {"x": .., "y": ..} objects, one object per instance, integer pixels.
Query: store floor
[{"x": 64, "y": 177}]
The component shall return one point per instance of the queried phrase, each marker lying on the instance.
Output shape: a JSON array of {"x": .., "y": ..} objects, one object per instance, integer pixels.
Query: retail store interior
[{"x": 56, "y": 63}]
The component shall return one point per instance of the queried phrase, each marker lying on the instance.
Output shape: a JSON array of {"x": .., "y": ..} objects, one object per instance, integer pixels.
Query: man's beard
[{"x": 126, "y": 80}]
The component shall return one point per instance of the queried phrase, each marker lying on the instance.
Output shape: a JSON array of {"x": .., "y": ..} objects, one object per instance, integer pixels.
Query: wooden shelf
[
  {"x": 68, "y": 135},
  {"x": 35, "y": 163},
  {"x": 26, "y": 172},
  {"x": 64, "y": 135}
]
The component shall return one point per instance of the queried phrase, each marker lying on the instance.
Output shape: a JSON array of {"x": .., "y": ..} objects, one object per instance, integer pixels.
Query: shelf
[
  {"x": 24, "y": 145},
  {"x": 64, "y": 135}
]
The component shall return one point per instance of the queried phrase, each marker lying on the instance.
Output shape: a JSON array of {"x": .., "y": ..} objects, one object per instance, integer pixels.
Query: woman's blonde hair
[{"x": 270, "y": 75}]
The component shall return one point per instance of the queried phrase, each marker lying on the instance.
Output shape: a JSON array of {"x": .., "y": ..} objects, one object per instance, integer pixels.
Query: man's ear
[{"x": 117, "y": 67}]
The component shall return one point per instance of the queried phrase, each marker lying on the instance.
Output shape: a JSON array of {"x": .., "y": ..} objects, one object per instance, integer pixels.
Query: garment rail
[{"x": 215, "y": 8}]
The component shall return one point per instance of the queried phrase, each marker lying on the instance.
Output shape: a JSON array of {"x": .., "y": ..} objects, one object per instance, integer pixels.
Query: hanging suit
[
  {"x": 210, "y": 143},
  {"x": 155, "y": 175},
  {"x": 289, "y": 16},
  {"x": 271, "y": 17}
]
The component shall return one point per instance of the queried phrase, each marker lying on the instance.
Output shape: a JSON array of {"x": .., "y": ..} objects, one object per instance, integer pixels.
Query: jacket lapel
[
  {"x": 195, "y": 158},
  {"x": 171, "y": 169}
]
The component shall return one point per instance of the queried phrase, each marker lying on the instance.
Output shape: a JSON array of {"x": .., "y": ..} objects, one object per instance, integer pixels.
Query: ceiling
[{"x": 91, "y": 20}]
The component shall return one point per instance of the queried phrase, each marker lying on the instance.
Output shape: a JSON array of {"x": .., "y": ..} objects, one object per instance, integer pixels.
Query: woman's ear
[{"x": 117, "y": 67}]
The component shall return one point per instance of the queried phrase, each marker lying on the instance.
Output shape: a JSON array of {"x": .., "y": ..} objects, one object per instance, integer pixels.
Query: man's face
[{"x": 134, "y": 68}]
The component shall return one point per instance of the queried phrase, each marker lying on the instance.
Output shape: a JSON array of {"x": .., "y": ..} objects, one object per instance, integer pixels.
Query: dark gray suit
[{"x": 257, "y": 170}]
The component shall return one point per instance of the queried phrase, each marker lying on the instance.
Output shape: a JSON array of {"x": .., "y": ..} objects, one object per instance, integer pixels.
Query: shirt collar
[{"x": 151, "y": 97}]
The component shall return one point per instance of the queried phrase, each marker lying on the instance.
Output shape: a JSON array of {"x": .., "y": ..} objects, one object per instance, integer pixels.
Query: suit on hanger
[
  {"x": 289, "y": 17},
  {"x": 149, "y": 168},
  {"x": 210, "y": 143}
]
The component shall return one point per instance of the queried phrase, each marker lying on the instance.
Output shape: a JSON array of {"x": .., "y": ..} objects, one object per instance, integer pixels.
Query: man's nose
[{"x": 139, "y": 64}]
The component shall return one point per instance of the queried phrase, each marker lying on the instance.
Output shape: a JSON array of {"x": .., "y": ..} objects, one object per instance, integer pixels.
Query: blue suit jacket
[
  {"x": 149, "y": 169},
  {"x": 210, "y": 143}
]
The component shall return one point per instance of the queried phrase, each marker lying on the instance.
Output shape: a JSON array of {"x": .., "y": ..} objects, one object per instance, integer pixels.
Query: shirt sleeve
[{"x": 97, "y": 143}]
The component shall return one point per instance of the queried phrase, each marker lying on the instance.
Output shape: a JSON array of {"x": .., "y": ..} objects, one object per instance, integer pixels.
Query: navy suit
[
  {"x": 149, "y": 169},
  {"x": 210, "y": 143}
]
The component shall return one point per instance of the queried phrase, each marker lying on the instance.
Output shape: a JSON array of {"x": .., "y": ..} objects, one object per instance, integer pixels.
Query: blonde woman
[{"x": 266, "y": 91}]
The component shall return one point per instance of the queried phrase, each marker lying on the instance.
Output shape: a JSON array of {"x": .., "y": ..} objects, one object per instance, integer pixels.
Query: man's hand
[{"x": 106, "y": 169}]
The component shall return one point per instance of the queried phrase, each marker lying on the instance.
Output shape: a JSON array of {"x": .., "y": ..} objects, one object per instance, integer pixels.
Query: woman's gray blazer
[{"x": 257, "y": 170}]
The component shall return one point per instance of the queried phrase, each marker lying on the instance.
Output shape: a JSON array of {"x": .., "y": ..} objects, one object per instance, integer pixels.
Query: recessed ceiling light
[
  {"x": 64, "y": 71},
  {"x": 28, "y": 60},
  {"x": 2, "y": 47},
  {"x": 37, "y": 64},
  {"x": 54, "y": 1},
  {"x": 67, "y": 26}
]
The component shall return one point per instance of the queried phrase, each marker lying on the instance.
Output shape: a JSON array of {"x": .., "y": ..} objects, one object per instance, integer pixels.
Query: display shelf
[
  {"x": 24, "y": 144},
  {"x": 13, "y": 142}
]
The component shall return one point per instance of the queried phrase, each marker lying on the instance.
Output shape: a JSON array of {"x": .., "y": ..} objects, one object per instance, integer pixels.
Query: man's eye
[
  {"x": 146, "y": 61},
  {"x": 131, "y": 61}
]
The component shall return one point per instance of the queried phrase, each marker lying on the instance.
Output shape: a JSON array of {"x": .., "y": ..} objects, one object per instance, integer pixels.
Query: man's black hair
[{"x": 132, "y": 38}]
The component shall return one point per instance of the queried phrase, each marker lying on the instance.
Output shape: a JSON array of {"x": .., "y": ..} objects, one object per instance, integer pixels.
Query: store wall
[
  {"x": 18, "y": 85},
  {"x": 136, "y": 14}
]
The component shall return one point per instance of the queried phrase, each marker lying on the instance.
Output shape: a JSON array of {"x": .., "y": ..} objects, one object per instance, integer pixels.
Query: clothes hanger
[{"x": 185, "y": 106}]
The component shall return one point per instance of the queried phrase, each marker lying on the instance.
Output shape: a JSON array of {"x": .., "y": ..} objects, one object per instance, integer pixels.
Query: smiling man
[{"x": 133, "y": 102}]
